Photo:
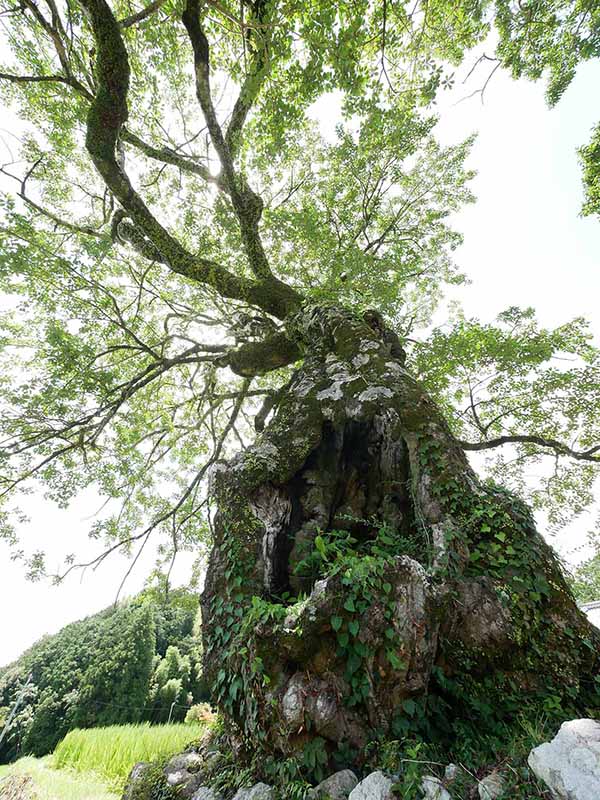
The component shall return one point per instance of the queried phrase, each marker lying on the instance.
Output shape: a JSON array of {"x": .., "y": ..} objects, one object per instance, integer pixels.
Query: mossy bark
[{"x": 441, "y": 604}]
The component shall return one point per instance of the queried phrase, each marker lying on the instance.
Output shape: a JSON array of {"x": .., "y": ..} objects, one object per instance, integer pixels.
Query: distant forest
[{"x": 138, "y": 661}]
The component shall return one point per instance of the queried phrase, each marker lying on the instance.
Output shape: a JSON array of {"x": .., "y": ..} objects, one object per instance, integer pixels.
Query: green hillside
[{"x": 136, "y": 662}]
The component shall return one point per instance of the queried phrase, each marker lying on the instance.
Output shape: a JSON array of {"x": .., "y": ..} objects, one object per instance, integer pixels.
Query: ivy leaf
[
  {"x": 410, "y": 707},
  {"x": 396, "y": 662}
]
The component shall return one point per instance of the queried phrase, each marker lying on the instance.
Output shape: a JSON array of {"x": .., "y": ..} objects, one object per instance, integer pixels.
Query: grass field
[
  {"x": 111, "y": 752},
  {"x": 35, "y": 779}
]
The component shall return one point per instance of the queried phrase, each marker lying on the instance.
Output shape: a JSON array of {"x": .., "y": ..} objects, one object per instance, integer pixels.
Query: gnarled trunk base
[{"x": 363, "y": 581}]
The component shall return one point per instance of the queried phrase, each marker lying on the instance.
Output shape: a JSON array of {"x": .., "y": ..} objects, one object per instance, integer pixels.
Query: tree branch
[
  {"x": 168, "y": 156},
  {"x": 67, "y": 81},
  {"x": 150, "y": 9},
  {"x": 253, "y": 82},
  {"x": 553, "y": 444},
  {"x": 171, "y": 513},
  {"x": 247, "y": 204},
  {"x": 59, "y": 221},
  {"x": 258, "y": 358},
  {"x": 107, "y": 115}
]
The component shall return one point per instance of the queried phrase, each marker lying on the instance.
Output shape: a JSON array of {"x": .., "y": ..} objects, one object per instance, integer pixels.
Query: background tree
[
  {"x": 103, "y": 670},
  {"x": 200, "y": 263}
]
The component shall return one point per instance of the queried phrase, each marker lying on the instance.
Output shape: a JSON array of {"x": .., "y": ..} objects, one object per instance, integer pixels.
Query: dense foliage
[
  {"x": 125, "y": 664},
  {"x": 136, "y": 280},
  {"x": 586, "y": 581}
]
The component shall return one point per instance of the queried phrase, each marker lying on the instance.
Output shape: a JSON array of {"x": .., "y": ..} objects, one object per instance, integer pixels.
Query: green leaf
[
  {"x": 394, "y": 660},
  {"x": 410, "y": 707}
]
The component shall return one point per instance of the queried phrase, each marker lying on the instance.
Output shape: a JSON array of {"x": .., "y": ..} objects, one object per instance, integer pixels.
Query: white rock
[
  {"x": 188, "y": 789},
  {"x": 491, "y": 787},
  {"x": 433, "y": 789},
  {"x": 292, "y": 705},
  {"x": 570, "y": 764},
  {"x": 177, "y": 776},
  {"x": 260, "y": 791},
  {"x": 450, "y": 772},
  {"x": 205, "y": 793},
  {"x": 191, "y": 762},
  {"x": 375, "y": 786},
  {"x": 137, "y": 773},
  {"x": 337, "y": 786}
]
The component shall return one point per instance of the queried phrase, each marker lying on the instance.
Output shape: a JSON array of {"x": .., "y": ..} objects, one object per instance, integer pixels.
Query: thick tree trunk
[{"x": 440, "y": 604}]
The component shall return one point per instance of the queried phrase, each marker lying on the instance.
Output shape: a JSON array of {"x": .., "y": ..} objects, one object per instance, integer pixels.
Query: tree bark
[{"x": 440, "y": 604}]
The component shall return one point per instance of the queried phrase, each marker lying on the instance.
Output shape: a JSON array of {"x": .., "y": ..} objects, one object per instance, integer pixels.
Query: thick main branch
[
  {"x": 246, "y": 203},
  {"x": 107, "y": 115}
]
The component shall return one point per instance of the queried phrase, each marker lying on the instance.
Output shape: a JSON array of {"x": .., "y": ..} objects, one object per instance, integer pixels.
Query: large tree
[{"x": 189, "y": 257}]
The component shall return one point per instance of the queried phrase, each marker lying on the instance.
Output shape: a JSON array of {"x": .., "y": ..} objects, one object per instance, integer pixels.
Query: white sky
[{"x": 524, "y": 245}]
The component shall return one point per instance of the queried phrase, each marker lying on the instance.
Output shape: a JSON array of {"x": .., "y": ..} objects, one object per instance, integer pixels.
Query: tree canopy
[{"x": 172, "y": 201}]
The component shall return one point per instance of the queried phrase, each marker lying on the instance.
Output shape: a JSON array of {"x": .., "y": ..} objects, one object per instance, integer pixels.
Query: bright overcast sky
[{"x": 524, "y": 245}]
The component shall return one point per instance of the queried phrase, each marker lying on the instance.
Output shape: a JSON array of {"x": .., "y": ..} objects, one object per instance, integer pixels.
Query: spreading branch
[
  {"x": 140, "y": 16},
  {"x": 257, "y": 38},
  {"x": 558, "y": 447},
  {"x": 107, "y": 115},
  {"x": 247, "y": 204}
]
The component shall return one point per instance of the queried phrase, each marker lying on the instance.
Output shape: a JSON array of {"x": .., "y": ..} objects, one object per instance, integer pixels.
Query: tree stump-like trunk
[{"x": 363, "y": 581}]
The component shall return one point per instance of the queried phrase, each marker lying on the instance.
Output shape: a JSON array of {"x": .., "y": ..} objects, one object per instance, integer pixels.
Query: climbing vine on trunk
[{"x": 364, "y": 582}]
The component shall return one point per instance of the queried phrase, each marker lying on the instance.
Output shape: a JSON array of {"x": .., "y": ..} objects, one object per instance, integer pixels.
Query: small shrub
[{"x": 200, "y": 713}]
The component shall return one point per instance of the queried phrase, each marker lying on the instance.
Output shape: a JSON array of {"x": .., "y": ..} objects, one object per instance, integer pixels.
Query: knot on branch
[
  {"x": 260, "y": 357},
  {"x": 122, "y": 230},
  {"x": 248, "y": 327},
  {"x": 376, "y": 322}
]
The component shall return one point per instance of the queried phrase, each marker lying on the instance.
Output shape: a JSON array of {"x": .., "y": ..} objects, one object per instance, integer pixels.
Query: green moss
[{"x": 152, "y": 785}]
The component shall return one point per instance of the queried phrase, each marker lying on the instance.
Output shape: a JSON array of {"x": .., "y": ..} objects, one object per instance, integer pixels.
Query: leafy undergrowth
[
  {"x": 474, "y": 758},
  {"x": 111, "y": 752},
  {"x": 36, "y": 779}
]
